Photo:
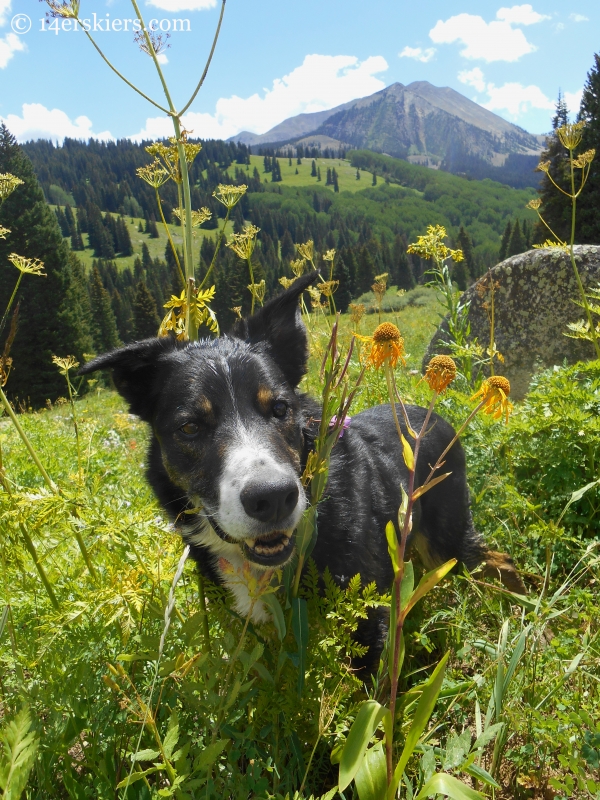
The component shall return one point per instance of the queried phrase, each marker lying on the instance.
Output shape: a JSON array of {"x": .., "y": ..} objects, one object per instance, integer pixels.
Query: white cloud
[
  {"x": 516, "y": 98},
  {"x": 162, "y": 58},
  {"x": 417, "y": 53},
  {"x": 520, "y": 15},
  {"x": 578, "y": 18},
  {"x": 181, "y": 5},
  {"x": 473, "y": 77},
  {"x": 10, "y": 45},
  {"x": 4, "y": 11},
  {"x": 39, "y": 122},
  {"x": 489, "y": 41},
  {"x": 573, "y": 101},
  {"x": 320, "y": 83}
]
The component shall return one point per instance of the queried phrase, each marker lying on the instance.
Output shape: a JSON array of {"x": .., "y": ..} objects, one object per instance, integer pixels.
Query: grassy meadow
[{"x": 112, "y": 706}]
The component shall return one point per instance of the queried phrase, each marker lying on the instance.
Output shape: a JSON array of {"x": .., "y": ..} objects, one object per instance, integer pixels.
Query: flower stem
[
  {"x": 173, "y": 248},
  {"x": 10, "y": 302}
]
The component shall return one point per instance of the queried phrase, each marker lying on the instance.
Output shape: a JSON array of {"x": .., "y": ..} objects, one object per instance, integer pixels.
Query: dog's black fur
[{"x": 232, "y": 431}]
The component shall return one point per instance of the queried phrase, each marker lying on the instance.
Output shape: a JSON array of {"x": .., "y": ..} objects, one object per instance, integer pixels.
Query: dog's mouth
[{"x": 271, "y": 549}]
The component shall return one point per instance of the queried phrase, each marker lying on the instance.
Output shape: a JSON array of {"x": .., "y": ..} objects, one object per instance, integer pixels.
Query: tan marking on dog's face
[
  {"x": 204, "y": 405},
  {"x": 265, "y": 398}
]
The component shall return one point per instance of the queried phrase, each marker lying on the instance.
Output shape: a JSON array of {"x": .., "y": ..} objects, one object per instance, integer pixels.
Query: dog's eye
[
  {"x": 189, "y": 429},
  {"x": 280, "y": 408}
]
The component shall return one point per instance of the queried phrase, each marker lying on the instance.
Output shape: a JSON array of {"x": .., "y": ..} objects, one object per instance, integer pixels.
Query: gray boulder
[{"x": 533, "y": 304}]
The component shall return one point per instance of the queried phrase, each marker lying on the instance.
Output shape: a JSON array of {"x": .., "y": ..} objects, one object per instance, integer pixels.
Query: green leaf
[
  {"x": 371, "y": 778},
  {"x": 408, "y": 584},
  {"x": 3, "y": 618},
  {"x": 19, "y": 748},
  {"x": 172, "y": 736},
  {"x": 423, "y": 712},
  {"x": 515, "y": 658},
  {"x": 427, "y": 582},
  {"x": 487, "y": 735},
  {"x": 300, "y": 629},
  {"x": 450, "y": 786},
  {"x": 393, "y": 546},
  {"x": 409, "y": 456},
  {"x": 370, "y": 714},
  {"x": 210, "y": 754},
  {"x": 135, "y": 777},
  {"x": 146, "y": 755},
  {"x": 481, "y": 774},
  {"x": 272, "y": 603}
]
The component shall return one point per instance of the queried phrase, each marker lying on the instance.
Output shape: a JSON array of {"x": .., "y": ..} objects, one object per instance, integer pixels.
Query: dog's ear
[
  {"x": 134, "y": 369},
  {"x": 279, "y": 324}
]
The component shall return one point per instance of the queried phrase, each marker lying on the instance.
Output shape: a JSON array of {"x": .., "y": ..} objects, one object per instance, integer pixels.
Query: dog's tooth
[{"x": 249, "y": 542}]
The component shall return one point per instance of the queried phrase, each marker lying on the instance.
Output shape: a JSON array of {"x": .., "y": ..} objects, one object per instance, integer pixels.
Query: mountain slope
[{"x": 425, "y": 124}]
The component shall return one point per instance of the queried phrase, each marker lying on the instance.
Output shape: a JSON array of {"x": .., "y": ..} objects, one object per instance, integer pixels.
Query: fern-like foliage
[{"x": 18, "y": 748}]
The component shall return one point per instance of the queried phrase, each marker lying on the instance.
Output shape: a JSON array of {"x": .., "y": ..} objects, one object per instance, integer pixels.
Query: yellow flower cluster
[
  {"x": 387, "y": 346},
  {"x": 230, "y": 196},
  {"x": 243, "y": 244},
  {"x": 198, "y": 217},
  {"x": 154, "y": 174},
  {"x": 570, "y": 135},
  {"x": 29, "y": 266},
  {"x": 431, "y": 246},
  {"x": 65, "y": 364},
  {"x": 8, "y": 183}
]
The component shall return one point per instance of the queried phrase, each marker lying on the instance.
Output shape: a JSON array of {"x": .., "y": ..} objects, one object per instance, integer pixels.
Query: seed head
[
  {"x": 440, "y": 373},
  {"x": 65, "y": 364},
  {"x": 584, "y": 159},
  {"x": 534, "y": 204},
  {"x": 329, "y": 255},
  {"x": 4, "y": 232},
  {"x": 154, "y": 174},
  {"x": 29, "y": 266},
  {"x": 306, "y": 250},
  {"x": 298, "y": 266},
  {"x": 544, "y": 166}
]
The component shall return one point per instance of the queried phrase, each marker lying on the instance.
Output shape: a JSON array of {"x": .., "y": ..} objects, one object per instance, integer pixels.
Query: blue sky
[{"x": 277, "y": 59}]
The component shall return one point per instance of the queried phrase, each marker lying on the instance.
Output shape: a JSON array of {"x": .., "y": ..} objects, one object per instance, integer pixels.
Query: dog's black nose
[{"x": 270, "y": 502}]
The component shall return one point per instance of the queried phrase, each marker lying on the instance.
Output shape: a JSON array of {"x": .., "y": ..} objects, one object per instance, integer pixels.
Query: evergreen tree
[
  {"x": 374, "y": 182},
  {"x": 146, "y": 258},
  {"x": 313, "y": 169},
  {"x": 140, "y": 227},
  {"x": 401, "y": 273},
  {"x": 296, "y": 173},
  {"x": 341, "y": 273},
  {"x": 328, "y": 179},
  {"x": 517, "y": 242},
  {"x": 357, "y": 174},
  {"x": 365, "y": 275},
  {"x": 464, "y": 271},
  {"x": 318, "y": 173},
  {"x": 588, "y": 221},
  {"x": 556, "y": 208},
  {"x": 276, "y": 171},
  {"x": 505, "y": 241},
  {"x": 124, "y": 246},
  {"x": 104, "y": 324},
  {"x": 288, "y": 251},
  {"x": 50, "y": 321},
  {"x": 151, "y": 228},
  {"x": 70, "y": 220},
  {"x": 62, "y": 221},
  {"x": 145, "y": 315},
  {"x": 77, "y": 239},
  {"x": 334, "y": 178}
]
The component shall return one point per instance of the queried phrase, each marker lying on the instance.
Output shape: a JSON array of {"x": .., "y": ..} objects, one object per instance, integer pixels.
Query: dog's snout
[{"x": 268, "y": 501}]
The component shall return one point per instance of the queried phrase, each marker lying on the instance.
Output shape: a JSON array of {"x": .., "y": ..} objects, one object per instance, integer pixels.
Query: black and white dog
[{"x": 231, "y": 434}]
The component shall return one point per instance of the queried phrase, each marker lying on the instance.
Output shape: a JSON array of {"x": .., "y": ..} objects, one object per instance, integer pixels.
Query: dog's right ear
[
  {"x": 278, "y": 324},
  {"x": 134, "y": 369}
]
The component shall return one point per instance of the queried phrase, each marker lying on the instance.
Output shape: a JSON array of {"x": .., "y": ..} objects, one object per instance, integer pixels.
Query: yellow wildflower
[
  {"x": 584, "y": 159},
  {"x": 570, "y": 134},
  {"x": 431, "y": 245},
  {"x": 328, "y": 287},
  {"x": 306, "y": 250},
  {"x": 154, "y": 174},
  {"x": 4, "y": 232},
  {"x": 8, "y": 183},
  {"x": 229, "y": 195},
  {"x": 243, "y": 244},
  {"x": 544, "y": 166},
  {"x": 329, "y": 255},
  {"x": 534, "y": 204},
  {"x": 357, "y": 312},
  {"x": 30, "y": 266},
  {"x": 286, "y": 282},
  {"x": 198, "y": 217},
  {"x": 257, "y": 290},
  {"x": 440, "y": 373},
  {"x": 387, "y": 345},
  {"x": 298, "y": 266},
  {"x": 65, "y": 364},
  {"x": 494, "y": 394}
]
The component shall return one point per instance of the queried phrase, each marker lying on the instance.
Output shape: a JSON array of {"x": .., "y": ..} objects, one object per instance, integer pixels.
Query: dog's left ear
[{"x": 279, "y": 324}]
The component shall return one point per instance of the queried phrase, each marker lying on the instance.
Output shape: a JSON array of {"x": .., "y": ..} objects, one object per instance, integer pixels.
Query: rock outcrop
[{"x": 534, "y": 301}]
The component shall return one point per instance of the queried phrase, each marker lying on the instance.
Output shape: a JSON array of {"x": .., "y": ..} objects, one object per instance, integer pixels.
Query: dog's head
[{"x": 228, "y": 422}]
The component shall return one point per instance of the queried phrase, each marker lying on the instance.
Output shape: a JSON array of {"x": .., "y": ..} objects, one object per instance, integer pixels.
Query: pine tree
[
  {"x": 556, "y": 208},
  {"x": 402, "y": 272},
  {"x": 341, "y": 273},
  {"x": 328, "y": 179},
  {"x": 104, "y": 324},
  {"x": 334, "y": 178},
  {"x": 288, "y": 251},
  {"x": 517, "y": 242},
  {"x": 588, "y": 223},
  {"x": 505, "y": 241},
  {"x": 146, "y": 258},
  {"x": 374, "y": 182},
  {"x": 296, "y": 173},
  {"x": 313, "y": 169},
  {"x": 62, "y": 221},
  {"x": 357, "y": 174},
  {"x": 145, "y": 315},
  {"x": 70, "y": 219},
  {"x": 140, "y": 227},
  {"x": 366, "y": 270},
  {"x": 50, "y": 322},
  {"x": 464, "y": 270},
  {"x": 318, "y": 173}
]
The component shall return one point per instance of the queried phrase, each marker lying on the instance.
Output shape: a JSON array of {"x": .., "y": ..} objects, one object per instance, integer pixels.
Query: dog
[{"x": 231, "y": 433}]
